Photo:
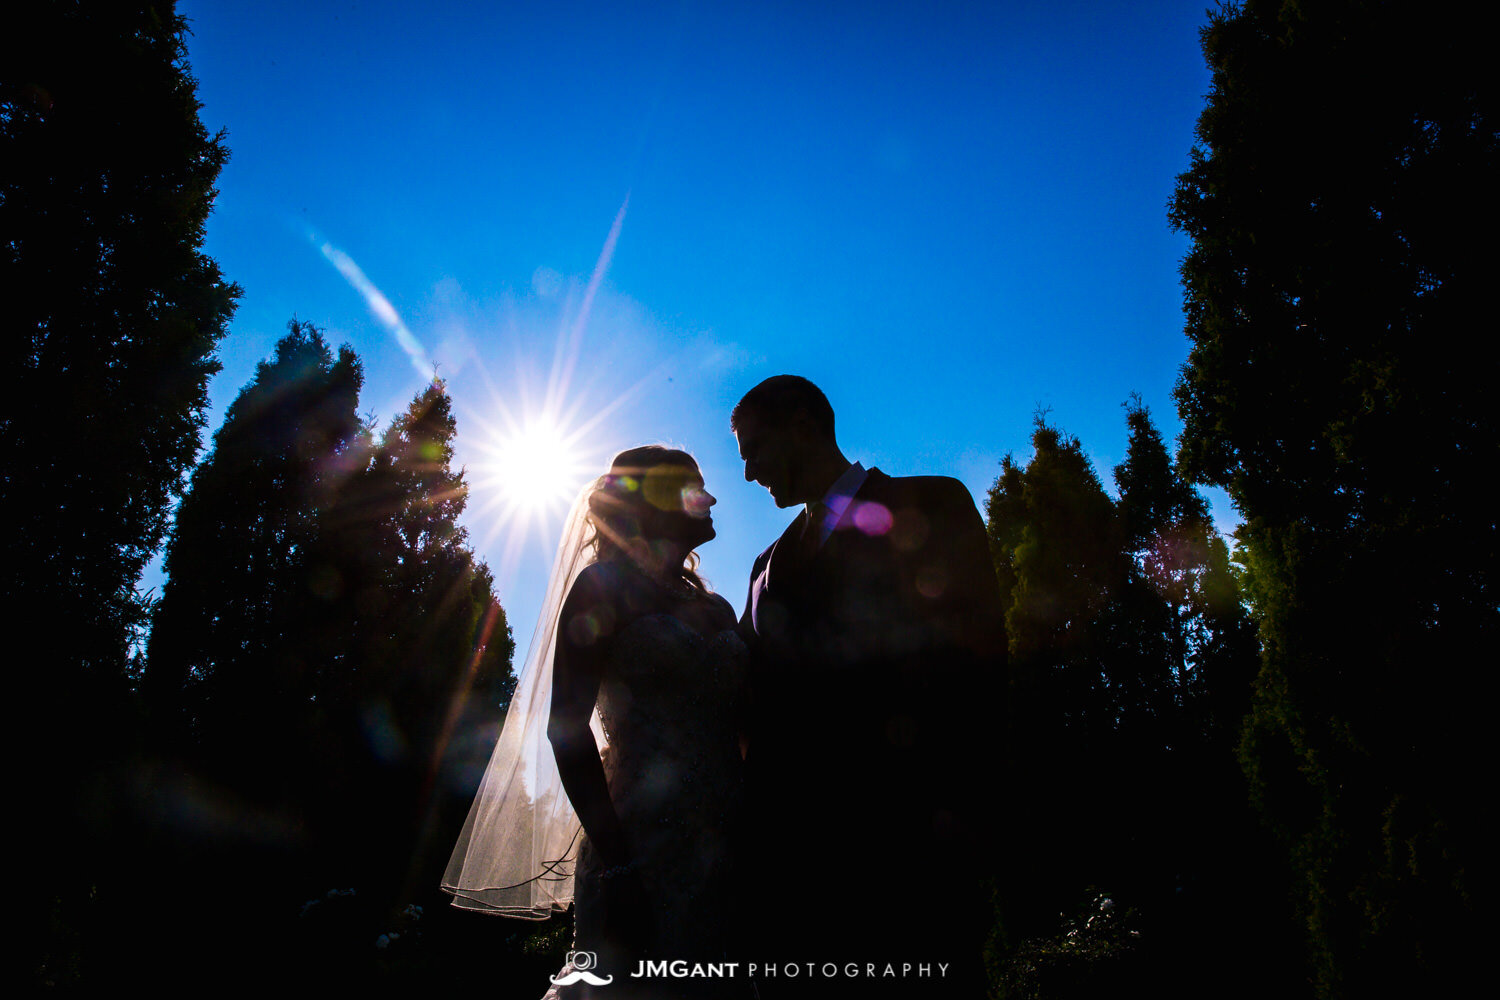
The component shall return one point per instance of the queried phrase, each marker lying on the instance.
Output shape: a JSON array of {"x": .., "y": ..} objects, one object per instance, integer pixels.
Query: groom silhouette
[{"x": 877, "y": 641}]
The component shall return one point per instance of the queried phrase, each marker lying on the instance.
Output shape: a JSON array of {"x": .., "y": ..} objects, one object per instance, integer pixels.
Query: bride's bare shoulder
[
  {"x": 605, "y": 580},
  {"x": 595, "y": 577},
  {"x": 723, "y": 610},
  {"x": 610, "y": 592}
]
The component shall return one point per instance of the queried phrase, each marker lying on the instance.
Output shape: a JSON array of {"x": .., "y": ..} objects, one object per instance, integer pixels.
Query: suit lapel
[
  {"x": 851, "y": 525},
  {"x": 785, "y": 559},
  {"x": 782, "y": 564},
  {"x": 787, "y": 571}
]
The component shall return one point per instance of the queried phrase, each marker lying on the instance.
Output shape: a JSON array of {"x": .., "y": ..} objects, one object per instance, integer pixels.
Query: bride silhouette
[{"x": 634, "y": 677}]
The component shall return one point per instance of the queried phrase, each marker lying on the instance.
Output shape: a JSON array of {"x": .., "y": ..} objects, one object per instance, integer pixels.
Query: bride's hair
[{"x": 641, "y": 483}]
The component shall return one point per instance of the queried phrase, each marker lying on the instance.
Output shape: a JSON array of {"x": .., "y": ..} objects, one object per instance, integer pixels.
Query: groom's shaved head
[{"x": 779, "y": 399}]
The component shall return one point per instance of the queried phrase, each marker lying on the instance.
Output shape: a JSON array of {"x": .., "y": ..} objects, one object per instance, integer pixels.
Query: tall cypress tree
[
  {"x": 1179, "y": 560},
  {"x": 1210, "y": 874},
  {"x": 1341, "y": 206},
  {"x": 243, "y": 642},
  {"x": 112, "y": 313},
  {"x": 1131, "y": 660},
  {"x": 434, "y": 644},
  {"x": 442, "y": 595},
  {"x": 1055, "y": 537},
  {"x": 327, "y": 645}
]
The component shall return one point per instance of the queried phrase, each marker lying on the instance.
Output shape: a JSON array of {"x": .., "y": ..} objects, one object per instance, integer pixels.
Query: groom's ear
[{"x": 807, "y": 429}]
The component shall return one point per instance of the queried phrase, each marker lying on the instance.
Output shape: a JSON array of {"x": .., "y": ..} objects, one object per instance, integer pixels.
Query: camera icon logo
[{"x": 580, "y": 964}]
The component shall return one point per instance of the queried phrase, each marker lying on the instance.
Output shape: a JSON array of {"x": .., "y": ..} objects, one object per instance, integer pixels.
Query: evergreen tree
[
  {"x": 112, "y": 316},
  {"x": 444, "y": 595},
  {"x": 327, "y": 646},
  {"x": 1179, "y": 560},
  {"x": 1340, "y": 207},
  {"x": 1131, "y": 659},
  {"x": 246, "y": 636},
  {"x": 1210, "y": 876},
  {"x": 435, "y": 647},
  {"x": 1066, "y": 568},
  {"x": 1056, "y": 541}
]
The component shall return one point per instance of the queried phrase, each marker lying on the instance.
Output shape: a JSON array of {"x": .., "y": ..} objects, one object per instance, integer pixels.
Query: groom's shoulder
[
  {"x": 765, "y": 556},
  {"x": 941, "y": 492}
]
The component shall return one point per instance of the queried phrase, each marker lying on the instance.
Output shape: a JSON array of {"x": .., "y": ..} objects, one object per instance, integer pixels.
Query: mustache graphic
[{"x": 587, "y": 977}]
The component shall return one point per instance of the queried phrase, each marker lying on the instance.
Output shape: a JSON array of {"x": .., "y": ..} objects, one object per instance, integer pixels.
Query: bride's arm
[{"x": 577, "y": 670}]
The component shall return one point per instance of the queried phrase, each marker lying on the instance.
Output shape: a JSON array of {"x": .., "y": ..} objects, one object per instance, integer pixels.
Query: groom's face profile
[{"x": 771, "y": 453}]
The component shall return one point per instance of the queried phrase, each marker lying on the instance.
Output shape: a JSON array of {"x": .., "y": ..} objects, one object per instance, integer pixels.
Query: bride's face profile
[
  {"x": 683, "y": 507},
  {"x": 655, "y": 494}
]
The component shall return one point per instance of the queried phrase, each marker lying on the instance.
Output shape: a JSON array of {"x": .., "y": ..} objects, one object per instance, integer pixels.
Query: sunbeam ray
[{"x": 567, "y": 360}]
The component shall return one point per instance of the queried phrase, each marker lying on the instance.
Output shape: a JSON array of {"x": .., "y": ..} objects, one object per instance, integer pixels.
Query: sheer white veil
[{"x": 518, "y": 848}]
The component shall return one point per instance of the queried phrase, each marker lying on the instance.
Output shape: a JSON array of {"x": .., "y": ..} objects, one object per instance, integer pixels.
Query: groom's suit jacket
[{"x": 875, "y": 681}]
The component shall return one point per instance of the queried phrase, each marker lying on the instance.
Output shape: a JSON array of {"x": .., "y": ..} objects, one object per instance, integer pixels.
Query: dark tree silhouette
[
  {"x": 1055, "y": 536},
  {"x": 1190, "y": 650},
  {"x": 1206, "y": 638},
  {"x": 327, "y": 653},
  {"x": 247, "y": 635},
  {"x": 111, "y": 317},
  {"x": 112, "y": 311},
  {"x": 434, "y": 645},
  {"x": 1131, "y": 658},
  {"x": 1341, "y": 207}
]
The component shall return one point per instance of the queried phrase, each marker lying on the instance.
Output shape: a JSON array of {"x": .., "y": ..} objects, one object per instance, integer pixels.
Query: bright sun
[{"x": 535, "y": 467}]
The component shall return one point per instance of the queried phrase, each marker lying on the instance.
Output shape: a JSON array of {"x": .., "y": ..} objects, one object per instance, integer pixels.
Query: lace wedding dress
[{"x": 669, "y": 702}]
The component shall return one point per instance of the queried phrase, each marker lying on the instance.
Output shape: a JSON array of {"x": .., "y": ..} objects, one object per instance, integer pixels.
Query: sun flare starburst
[
  {"x": 536, "y": 467},
  {"x": 541, "y": 443}
]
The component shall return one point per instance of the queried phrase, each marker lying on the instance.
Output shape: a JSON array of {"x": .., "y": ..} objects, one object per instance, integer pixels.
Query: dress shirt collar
[{"x": 836, "y": 501}]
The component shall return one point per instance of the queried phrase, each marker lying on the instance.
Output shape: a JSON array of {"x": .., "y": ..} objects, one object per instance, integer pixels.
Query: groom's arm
[
  {"x": 967, "y": 608},
  {"x": 962, "y": 698},
  {"x": 746, "y": 628},
  {"x": 747, "y": 617}
]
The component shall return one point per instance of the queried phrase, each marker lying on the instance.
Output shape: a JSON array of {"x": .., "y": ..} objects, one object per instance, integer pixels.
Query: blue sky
[{"x": 945, "y": 214}]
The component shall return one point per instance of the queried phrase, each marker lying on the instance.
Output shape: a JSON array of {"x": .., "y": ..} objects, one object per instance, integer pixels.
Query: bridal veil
[{"x": 517, "y": 851}]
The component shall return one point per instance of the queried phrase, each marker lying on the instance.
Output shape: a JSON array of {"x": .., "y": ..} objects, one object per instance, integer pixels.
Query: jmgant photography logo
[{"x": 577, "y": 969}]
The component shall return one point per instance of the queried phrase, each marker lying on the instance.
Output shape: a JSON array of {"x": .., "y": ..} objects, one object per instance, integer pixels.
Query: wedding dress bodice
[{"x": 669, "y": 700}]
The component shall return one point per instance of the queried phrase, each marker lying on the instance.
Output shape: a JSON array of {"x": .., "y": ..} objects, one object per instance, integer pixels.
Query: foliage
[
  {"x": 1340, "y": 206},
  {"x": 112, "y": 313},
  {"x": 326, "y": 643},
  {"x": 1204, "y": 638},
  {"x": 1130, "y": 655},
  {"x": 1093, "y": 952},
  {"x": 112, "y": 316},
  {"x": 246, "y": 636}
]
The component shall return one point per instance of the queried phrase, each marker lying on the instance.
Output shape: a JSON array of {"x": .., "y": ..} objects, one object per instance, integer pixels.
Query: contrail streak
[{"x": 382, "y": 308}]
